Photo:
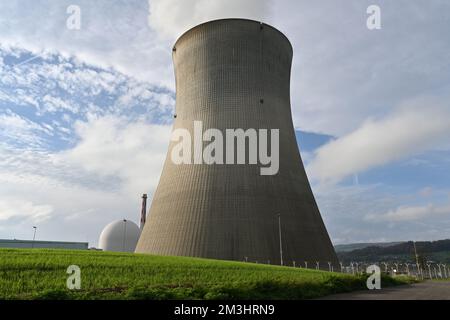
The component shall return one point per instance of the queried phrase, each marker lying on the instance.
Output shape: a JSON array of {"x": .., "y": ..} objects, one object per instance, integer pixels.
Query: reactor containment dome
[{"x": 120, "y": 236}]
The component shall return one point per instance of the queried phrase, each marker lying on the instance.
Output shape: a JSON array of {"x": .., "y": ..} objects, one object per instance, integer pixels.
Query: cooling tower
[{"x": 235, "y": 73}]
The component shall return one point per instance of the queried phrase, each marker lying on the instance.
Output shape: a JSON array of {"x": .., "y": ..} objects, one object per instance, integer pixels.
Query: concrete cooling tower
[{"x": 235, "y": 74}]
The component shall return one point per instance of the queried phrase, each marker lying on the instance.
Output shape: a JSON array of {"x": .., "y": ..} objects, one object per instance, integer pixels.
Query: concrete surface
[{"x": 428, "y": 290}]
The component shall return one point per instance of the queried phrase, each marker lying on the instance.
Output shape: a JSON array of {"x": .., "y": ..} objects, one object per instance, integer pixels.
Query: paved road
[{"x": 428, "y": 290}]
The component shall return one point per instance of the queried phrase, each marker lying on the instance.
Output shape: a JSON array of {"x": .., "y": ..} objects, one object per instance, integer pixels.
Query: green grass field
[{"x": 41, "y": 274}]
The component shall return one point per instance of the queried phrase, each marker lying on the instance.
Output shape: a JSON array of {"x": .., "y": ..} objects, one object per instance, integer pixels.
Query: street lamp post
[
  {"x": 281, "y": 245},
  {"x": 34, "y": 236}
]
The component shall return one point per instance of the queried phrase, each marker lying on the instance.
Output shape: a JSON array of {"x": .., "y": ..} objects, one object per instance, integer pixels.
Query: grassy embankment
[{"x": 41, "y": 274}]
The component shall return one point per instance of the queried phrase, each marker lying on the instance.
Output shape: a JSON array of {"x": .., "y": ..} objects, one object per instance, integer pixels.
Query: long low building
[{"x": 5, "y": 243}]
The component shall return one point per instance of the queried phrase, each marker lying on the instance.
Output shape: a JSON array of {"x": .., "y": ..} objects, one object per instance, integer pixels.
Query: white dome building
[{"x": 120, "y": 235}]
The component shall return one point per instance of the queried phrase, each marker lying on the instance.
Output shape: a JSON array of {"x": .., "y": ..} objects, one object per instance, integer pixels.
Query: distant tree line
[{"x": 404, "y": 249}]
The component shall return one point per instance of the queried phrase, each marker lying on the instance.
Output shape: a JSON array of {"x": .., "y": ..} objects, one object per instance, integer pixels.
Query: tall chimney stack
[{"x": 143, "y": 211}]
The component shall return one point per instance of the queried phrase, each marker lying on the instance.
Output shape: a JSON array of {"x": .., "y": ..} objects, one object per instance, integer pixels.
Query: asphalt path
[{"x": 427, "y": 290}]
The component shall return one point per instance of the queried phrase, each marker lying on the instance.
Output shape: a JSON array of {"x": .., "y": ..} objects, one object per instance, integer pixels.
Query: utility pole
[{"x": 281, "y": 245}]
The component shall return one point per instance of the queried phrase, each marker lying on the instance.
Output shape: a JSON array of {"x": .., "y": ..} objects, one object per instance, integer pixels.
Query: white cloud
[
  {"x": 171, "y": 18},
  {"x": 426, "y": 192},
  {"x": 141, "y": 93},
  {"x": 112, "y": 34},
  {"x": 99, "y": 180},
  {"x": 380, "y": 212},
  {"x": 112, "y": 146},
  {"x": 20, "y": 130},
  {"x": 342, "y": 73},
  {"x": 20, "y": 208},
  {"x": 112, "y": 152},
  {"x": 59, "y": 87},
  {"x": 411, "y": 213},
  {"x": 415, "y": 127},
  {"x": 53, "y": 104},
  {"x": 133, "y": 37},
  {"x": 47, "y": 194}
]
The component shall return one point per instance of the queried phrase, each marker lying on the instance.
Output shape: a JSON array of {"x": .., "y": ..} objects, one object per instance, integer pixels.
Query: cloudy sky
[{"x": 85, "y": 115}]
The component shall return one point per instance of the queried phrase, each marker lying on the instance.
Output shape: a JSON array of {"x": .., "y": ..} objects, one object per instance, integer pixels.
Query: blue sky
[{"x": 85, "y": 115}]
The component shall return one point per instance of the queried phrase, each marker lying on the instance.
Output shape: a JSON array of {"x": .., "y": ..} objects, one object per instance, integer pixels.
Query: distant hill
[
  {"x": 404, "y": 251},
  {"x": 362, "y": 245}
]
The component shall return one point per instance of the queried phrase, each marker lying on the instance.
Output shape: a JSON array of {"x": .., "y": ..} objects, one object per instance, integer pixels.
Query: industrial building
[
  {"x": 235, "y": 73},
  {"x": 39, "y": 244}
]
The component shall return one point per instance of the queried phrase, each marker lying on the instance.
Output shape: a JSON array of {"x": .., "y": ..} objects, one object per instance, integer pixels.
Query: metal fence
[{"x": 430, "y": 270}]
